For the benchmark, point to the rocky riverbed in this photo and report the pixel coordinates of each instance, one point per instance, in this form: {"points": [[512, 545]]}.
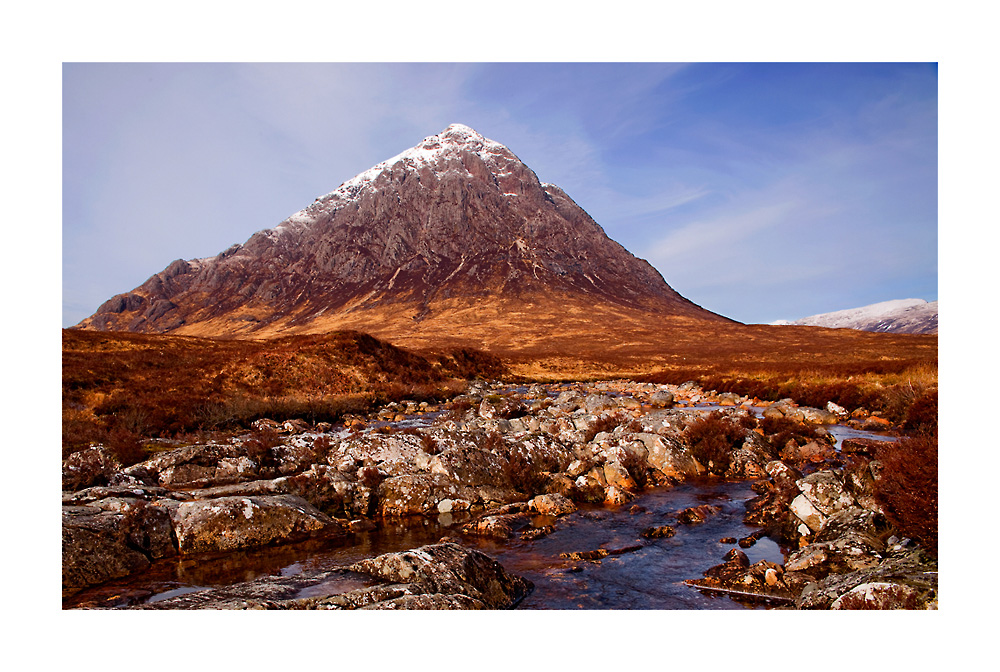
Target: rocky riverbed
{"points": [[502, 464]]}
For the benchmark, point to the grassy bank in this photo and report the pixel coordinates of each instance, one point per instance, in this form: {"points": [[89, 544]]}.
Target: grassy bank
{"points": [[117, 387]]}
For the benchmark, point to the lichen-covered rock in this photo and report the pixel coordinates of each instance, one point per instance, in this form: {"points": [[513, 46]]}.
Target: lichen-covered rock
{"points": [[616, 496], [91, 466], [419, 494], [804, 509], [662, 398], [751, 459], [669, 456], [911, 569], [202, 465], [95, 548], [849, 540], [231, 523], [449, 569], [826, 491], [589, 489], [879, 595], [616, 475], [810, 452], [496, 526]]}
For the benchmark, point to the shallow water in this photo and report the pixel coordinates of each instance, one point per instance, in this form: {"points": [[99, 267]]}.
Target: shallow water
{"points": [[649, 578]]}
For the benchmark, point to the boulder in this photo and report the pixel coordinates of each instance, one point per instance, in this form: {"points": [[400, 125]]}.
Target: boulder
{"points": [[862, 446], [806, 511], [849, 540], [662, 398], [749, 461], [449, 569], [669, 456], [660, 532], [417, 494], [773, 413], [323, 486], [879, 595], [440, 576], [91, 466], [839, 411], [815, 416], [826, 491], [589, 489], [198, 466], [615, 474], [551, 505], [562, 484], [497, 526], [231, 523], [697, 514], [95, 548], [595, 403], [616, 496]]}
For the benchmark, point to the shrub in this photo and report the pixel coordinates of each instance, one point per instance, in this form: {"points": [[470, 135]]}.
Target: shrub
{"points": [[908, 488], [781, 430], [712, 439], [126, 446], [260, 444], [922, 416]]}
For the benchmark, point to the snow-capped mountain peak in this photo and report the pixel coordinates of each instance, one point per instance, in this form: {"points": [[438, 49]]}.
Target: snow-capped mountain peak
{"points": [[455, 223], [898, 316]]}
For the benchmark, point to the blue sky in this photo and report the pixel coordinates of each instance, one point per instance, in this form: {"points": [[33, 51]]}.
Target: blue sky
{"points": [[760, 191]]}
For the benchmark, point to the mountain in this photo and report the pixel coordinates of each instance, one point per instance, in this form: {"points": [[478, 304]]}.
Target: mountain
{"points": [[453, 239], [902, 316]]}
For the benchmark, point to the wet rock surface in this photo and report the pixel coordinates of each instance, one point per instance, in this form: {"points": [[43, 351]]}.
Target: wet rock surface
{"points": [[439, 576], [511, 463]]}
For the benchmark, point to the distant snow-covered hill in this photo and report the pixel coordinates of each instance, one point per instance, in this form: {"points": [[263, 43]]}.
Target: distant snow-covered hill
{"points": [[902, 316]]}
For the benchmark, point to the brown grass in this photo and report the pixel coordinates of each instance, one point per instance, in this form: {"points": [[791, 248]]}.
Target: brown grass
{"points": [[169, 385], [117, 384]]}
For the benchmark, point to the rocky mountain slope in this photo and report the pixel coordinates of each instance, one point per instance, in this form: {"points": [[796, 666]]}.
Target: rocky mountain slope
{"points": [[902, 316], [454, 239]]}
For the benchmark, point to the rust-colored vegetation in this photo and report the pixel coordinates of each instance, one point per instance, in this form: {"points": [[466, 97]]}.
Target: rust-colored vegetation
{"points": [[884, 373], [119, 388], [908, 487], [712, 439]]}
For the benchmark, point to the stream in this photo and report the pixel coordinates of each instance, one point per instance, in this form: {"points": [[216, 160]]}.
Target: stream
{"points": [[650, 577]]}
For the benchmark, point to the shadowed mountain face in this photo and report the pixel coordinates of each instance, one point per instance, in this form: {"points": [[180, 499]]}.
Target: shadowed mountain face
{"points": [[455, 240]]}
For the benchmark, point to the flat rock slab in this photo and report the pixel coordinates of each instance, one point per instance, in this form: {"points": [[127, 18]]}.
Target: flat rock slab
{"points": [[231, 523]]}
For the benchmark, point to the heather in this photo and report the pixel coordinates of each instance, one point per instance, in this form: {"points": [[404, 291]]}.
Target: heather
{"points": [[120, 389]]}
